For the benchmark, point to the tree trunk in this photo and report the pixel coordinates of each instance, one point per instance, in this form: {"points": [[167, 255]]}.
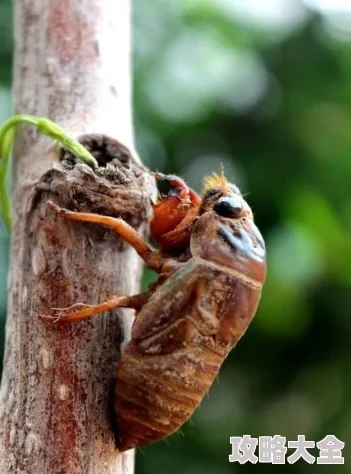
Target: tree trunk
{"points": [[71, 65]]}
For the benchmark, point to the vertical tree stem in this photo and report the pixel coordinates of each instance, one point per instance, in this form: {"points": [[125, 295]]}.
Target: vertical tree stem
{"points": [[71, 65]]}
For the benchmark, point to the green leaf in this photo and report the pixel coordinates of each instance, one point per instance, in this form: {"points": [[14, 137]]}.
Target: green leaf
{"points": [[46, 127]]}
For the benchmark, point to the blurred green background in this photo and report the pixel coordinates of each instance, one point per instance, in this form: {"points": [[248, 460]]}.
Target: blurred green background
{"points": [[263, 87]]}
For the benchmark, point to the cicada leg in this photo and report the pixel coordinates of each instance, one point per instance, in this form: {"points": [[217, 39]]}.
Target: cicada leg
{"points": [[82, 311], [181, 233], [151, 257]]}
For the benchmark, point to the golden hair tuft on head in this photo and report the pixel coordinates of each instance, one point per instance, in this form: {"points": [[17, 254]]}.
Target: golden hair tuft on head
{"points": [[216, 180]]}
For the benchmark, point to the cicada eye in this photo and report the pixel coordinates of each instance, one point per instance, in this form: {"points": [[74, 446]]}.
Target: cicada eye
{"points": [[229, 206]]}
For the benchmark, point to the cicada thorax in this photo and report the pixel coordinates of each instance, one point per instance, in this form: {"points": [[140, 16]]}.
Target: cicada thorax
{"points": [[237, 245]]}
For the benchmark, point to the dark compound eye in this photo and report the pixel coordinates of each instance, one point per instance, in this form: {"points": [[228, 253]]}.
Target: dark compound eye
{"points": [[228, 206]]}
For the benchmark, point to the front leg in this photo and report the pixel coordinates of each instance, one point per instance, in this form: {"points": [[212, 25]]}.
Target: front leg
{"points": [[152, 257]]}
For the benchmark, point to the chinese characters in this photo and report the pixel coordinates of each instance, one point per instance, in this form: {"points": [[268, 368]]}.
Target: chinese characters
{"points": [[272, 449]]}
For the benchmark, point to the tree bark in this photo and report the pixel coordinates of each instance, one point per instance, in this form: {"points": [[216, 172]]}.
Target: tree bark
{"points": [[71, 65]]}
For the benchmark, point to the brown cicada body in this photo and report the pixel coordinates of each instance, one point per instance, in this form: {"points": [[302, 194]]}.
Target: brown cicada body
{"points": [[212, 267]]}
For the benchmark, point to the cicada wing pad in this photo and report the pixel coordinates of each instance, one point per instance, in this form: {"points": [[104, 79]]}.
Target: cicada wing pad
{"points": [[164, 315], [201, 300]]}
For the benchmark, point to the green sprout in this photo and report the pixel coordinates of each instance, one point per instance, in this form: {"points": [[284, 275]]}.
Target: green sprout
{"points": [[46, 127]]}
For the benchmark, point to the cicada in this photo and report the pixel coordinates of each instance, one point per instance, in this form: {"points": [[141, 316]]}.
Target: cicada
{"points": [[211, 266]]}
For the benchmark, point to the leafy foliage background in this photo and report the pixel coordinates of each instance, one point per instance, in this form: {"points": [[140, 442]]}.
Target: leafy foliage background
{"points": [[265, 89]]}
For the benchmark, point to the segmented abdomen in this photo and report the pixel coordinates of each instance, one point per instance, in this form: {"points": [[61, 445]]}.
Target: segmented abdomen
{"points": [[156, 394]]}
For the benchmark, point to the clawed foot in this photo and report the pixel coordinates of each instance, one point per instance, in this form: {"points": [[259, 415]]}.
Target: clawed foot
{"points": [[57, 209], [67, 314]]}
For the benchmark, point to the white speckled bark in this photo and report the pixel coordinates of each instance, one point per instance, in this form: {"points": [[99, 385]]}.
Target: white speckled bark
{"points": [[71, 65]]}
